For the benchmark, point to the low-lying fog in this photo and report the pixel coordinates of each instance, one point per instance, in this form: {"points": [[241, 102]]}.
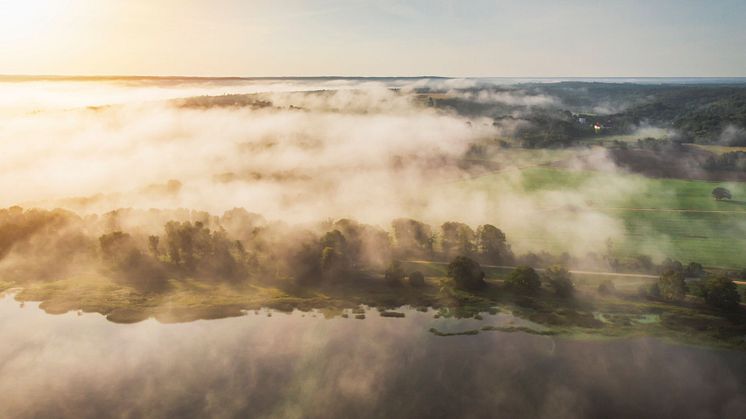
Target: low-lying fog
{"points": [[299, 151], [303, 366]]}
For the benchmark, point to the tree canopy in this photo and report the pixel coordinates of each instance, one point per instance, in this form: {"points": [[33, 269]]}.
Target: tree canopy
{"points": [[721, 193], [394, 273], [720, 292], [492, 245], [466, 272], [457, 239], [671, 285], [524, 279], [559, 280]]}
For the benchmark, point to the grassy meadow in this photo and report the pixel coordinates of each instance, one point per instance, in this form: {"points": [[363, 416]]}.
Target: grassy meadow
{"points": [[719, 149], [668, 217]]}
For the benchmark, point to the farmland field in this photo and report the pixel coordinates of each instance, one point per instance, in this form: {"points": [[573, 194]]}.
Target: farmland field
{"points": [[719, 149], [628, 138], [663, 217]]}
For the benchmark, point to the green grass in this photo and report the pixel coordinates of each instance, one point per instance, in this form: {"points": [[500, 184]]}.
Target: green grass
{"points": [[713, 239], [647, 193], [649, 209], [627, 138], [718, 149]]}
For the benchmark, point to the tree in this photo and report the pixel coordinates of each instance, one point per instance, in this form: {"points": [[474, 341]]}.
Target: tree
{"points": [[394, 274], [129, 265], [367, 246], [416, 279], [720, 193], [720, 292], [335, 240], [115, 245], [645, 263], [153, 246], [694, 270], [466, 272], [413, 238], [670, 265], [194, 249], [524, 279], [606, 287], [492, 245], [240, 223], [179, 243], [334, 259], [651, 291], [559, 280], [331, 262], [457, 239], [302, 260], [671, 285]]}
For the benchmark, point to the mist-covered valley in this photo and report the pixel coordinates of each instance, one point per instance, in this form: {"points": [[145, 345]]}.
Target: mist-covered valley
{"points": [[372, 209], [446, 215]]}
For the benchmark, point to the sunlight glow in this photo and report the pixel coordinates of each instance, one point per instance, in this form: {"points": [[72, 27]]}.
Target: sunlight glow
{"points": [[23, 22]]}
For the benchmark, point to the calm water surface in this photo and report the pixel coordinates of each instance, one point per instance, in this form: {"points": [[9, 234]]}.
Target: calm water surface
{"points": [[302, 365]]}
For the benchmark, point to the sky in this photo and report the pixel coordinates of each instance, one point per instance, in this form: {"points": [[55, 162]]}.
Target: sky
{"points": [[458, 38]]}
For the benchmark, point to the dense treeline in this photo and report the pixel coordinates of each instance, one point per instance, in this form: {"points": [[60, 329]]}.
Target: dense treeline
{"points": [[698, 113], [704, 113], [677, 281], [673, 159], [731, 161], [141, 250], [147, 248]]}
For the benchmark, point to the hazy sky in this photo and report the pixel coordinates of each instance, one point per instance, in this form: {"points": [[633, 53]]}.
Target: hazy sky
{"points": [[383, 38]]}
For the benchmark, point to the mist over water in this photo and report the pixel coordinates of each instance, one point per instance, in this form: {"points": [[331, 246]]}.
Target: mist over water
{"points": [[303, 365]]}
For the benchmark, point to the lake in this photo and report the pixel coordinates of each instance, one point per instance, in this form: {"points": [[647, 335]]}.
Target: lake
{"points": [[269, 364]]}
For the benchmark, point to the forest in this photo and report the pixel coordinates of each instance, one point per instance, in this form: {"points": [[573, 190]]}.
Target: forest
{"points": [[568, 111]]}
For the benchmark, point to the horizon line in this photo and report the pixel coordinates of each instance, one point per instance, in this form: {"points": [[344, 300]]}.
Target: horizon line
{"points": [[424, 76]]}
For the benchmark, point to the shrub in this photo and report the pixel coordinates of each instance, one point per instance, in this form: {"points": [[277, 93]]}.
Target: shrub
{"points": [[671, 286], [394, 274], [652, 291], [466, 272], [524, 279], [720, 292], [606, 287], [694, 270], [129, 265], [416, 279], [720, 193], [559, 280]]}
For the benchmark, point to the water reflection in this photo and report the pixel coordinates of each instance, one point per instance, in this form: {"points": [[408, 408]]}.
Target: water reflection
{"points": [[302, 365]]}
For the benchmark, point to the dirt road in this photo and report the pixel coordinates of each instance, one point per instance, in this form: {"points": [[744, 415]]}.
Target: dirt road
{"points": [[575, 272], [670, 210]]}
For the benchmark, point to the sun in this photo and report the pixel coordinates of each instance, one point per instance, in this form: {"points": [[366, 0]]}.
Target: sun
{"points": [[24, 21]]}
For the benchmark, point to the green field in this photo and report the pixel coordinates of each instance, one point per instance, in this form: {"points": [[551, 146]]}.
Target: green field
{"points": [[648, 193], [603, 139], [669, 217], [718, 149]]}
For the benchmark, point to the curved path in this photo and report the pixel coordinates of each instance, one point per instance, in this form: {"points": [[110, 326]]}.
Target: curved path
{"points": [[671, 210], [576, 272]]}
